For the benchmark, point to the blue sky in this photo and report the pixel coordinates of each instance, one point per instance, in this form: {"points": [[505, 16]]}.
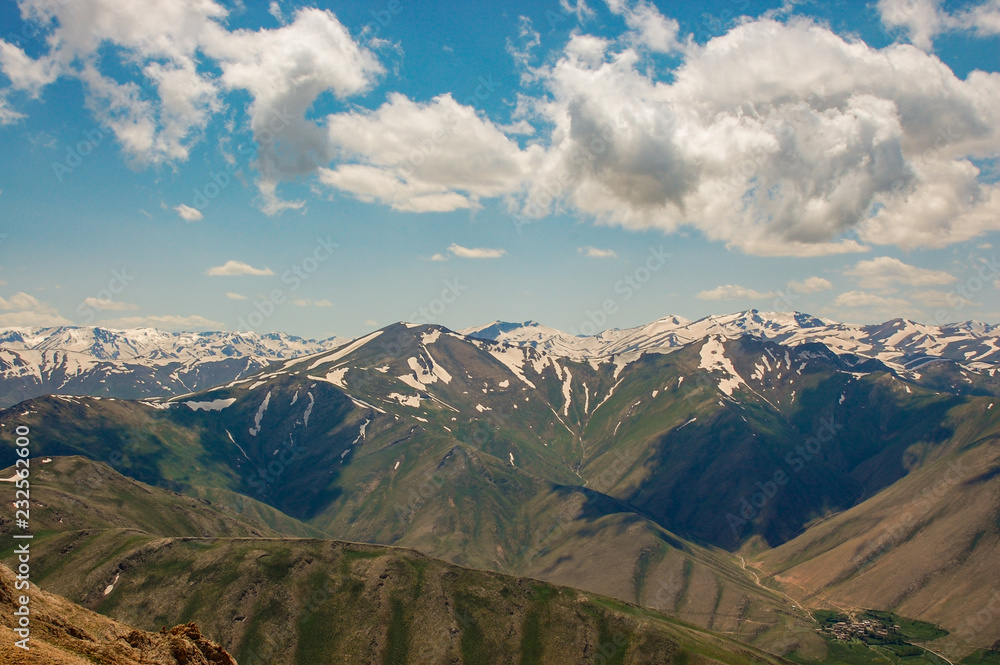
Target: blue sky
{"points": [[191, 164]]}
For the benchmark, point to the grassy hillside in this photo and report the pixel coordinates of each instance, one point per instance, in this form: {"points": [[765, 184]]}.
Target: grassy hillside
{"points": [[271, 599]]}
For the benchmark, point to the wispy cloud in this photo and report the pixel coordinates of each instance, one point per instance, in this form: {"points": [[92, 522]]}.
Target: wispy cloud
{"points": [[475, 252], [810, 285], [308, 302], [885, 273], [862, 300], [595, 253], [232, 268], [734, 292], [923, 20], [188, 213]]}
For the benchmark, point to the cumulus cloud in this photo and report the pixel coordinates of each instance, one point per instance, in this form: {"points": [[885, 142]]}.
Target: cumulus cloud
{"points": [[810, 285], [165, 322], [923, 20], [864, 300], [160, 114], [886, 274], [232, 268], [439, 257], [285, 70], [475, 252], [25, 310], [188, 213], [104, 304], [423, 157], [160, 39], [734, 292], [596, 253], [775, 138], [235, 296]]}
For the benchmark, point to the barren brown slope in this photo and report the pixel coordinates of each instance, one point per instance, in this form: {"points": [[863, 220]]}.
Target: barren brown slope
{"points": [[927, 548], [62, 633]]}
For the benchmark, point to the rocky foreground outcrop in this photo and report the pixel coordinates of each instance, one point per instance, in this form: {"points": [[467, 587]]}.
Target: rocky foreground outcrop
{"points": [[63, 633]]}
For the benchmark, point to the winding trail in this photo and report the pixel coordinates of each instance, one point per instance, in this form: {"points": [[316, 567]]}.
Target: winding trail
{"points": [[756, 578]]}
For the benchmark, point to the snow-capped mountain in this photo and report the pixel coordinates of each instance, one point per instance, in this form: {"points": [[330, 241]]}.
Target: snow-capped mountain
{"points": [[900, 344], [146, 362], [142, 362]]}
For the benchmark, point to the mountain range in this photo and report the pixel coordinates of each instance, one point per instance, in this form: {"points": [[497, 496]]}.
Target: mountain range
{"points": [[137, 363], [743, 474]]}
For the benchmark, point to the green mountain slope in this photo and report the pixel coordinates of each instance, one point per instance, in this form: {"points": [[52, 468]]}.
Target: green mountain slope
{"points": [[292, 600], [628, 476]]}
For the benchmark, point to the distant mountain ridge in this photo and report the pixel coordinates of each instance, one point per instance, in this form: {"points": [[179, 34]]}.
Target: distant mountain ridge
{"points": [[146, 362], [136, 363], [899, 343]]}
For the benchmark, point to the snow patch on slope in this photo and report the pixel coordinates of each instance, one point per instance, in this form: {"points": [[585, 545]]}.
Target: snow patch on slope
{"points": [[713, 359], [214, 405], [260, 414]]}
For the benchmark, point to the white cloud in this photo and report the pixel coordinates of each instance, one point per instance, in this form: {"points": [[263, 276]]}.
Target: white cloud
{"points": [[19, 300], [284, 70], [648, 27], [595, 253], [232, 267], [863, 300], [25, 310], [308, 302], [424, 157], [580, 9], [160, 39], [166, 322], [274, 9], [923, 20], [235, 296], [475, 252], [8, 116], [371, 322], [810, 285], [734, 292], [188, 213], [101, 304], [775, 138], [439, 257], [886, 273]]}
